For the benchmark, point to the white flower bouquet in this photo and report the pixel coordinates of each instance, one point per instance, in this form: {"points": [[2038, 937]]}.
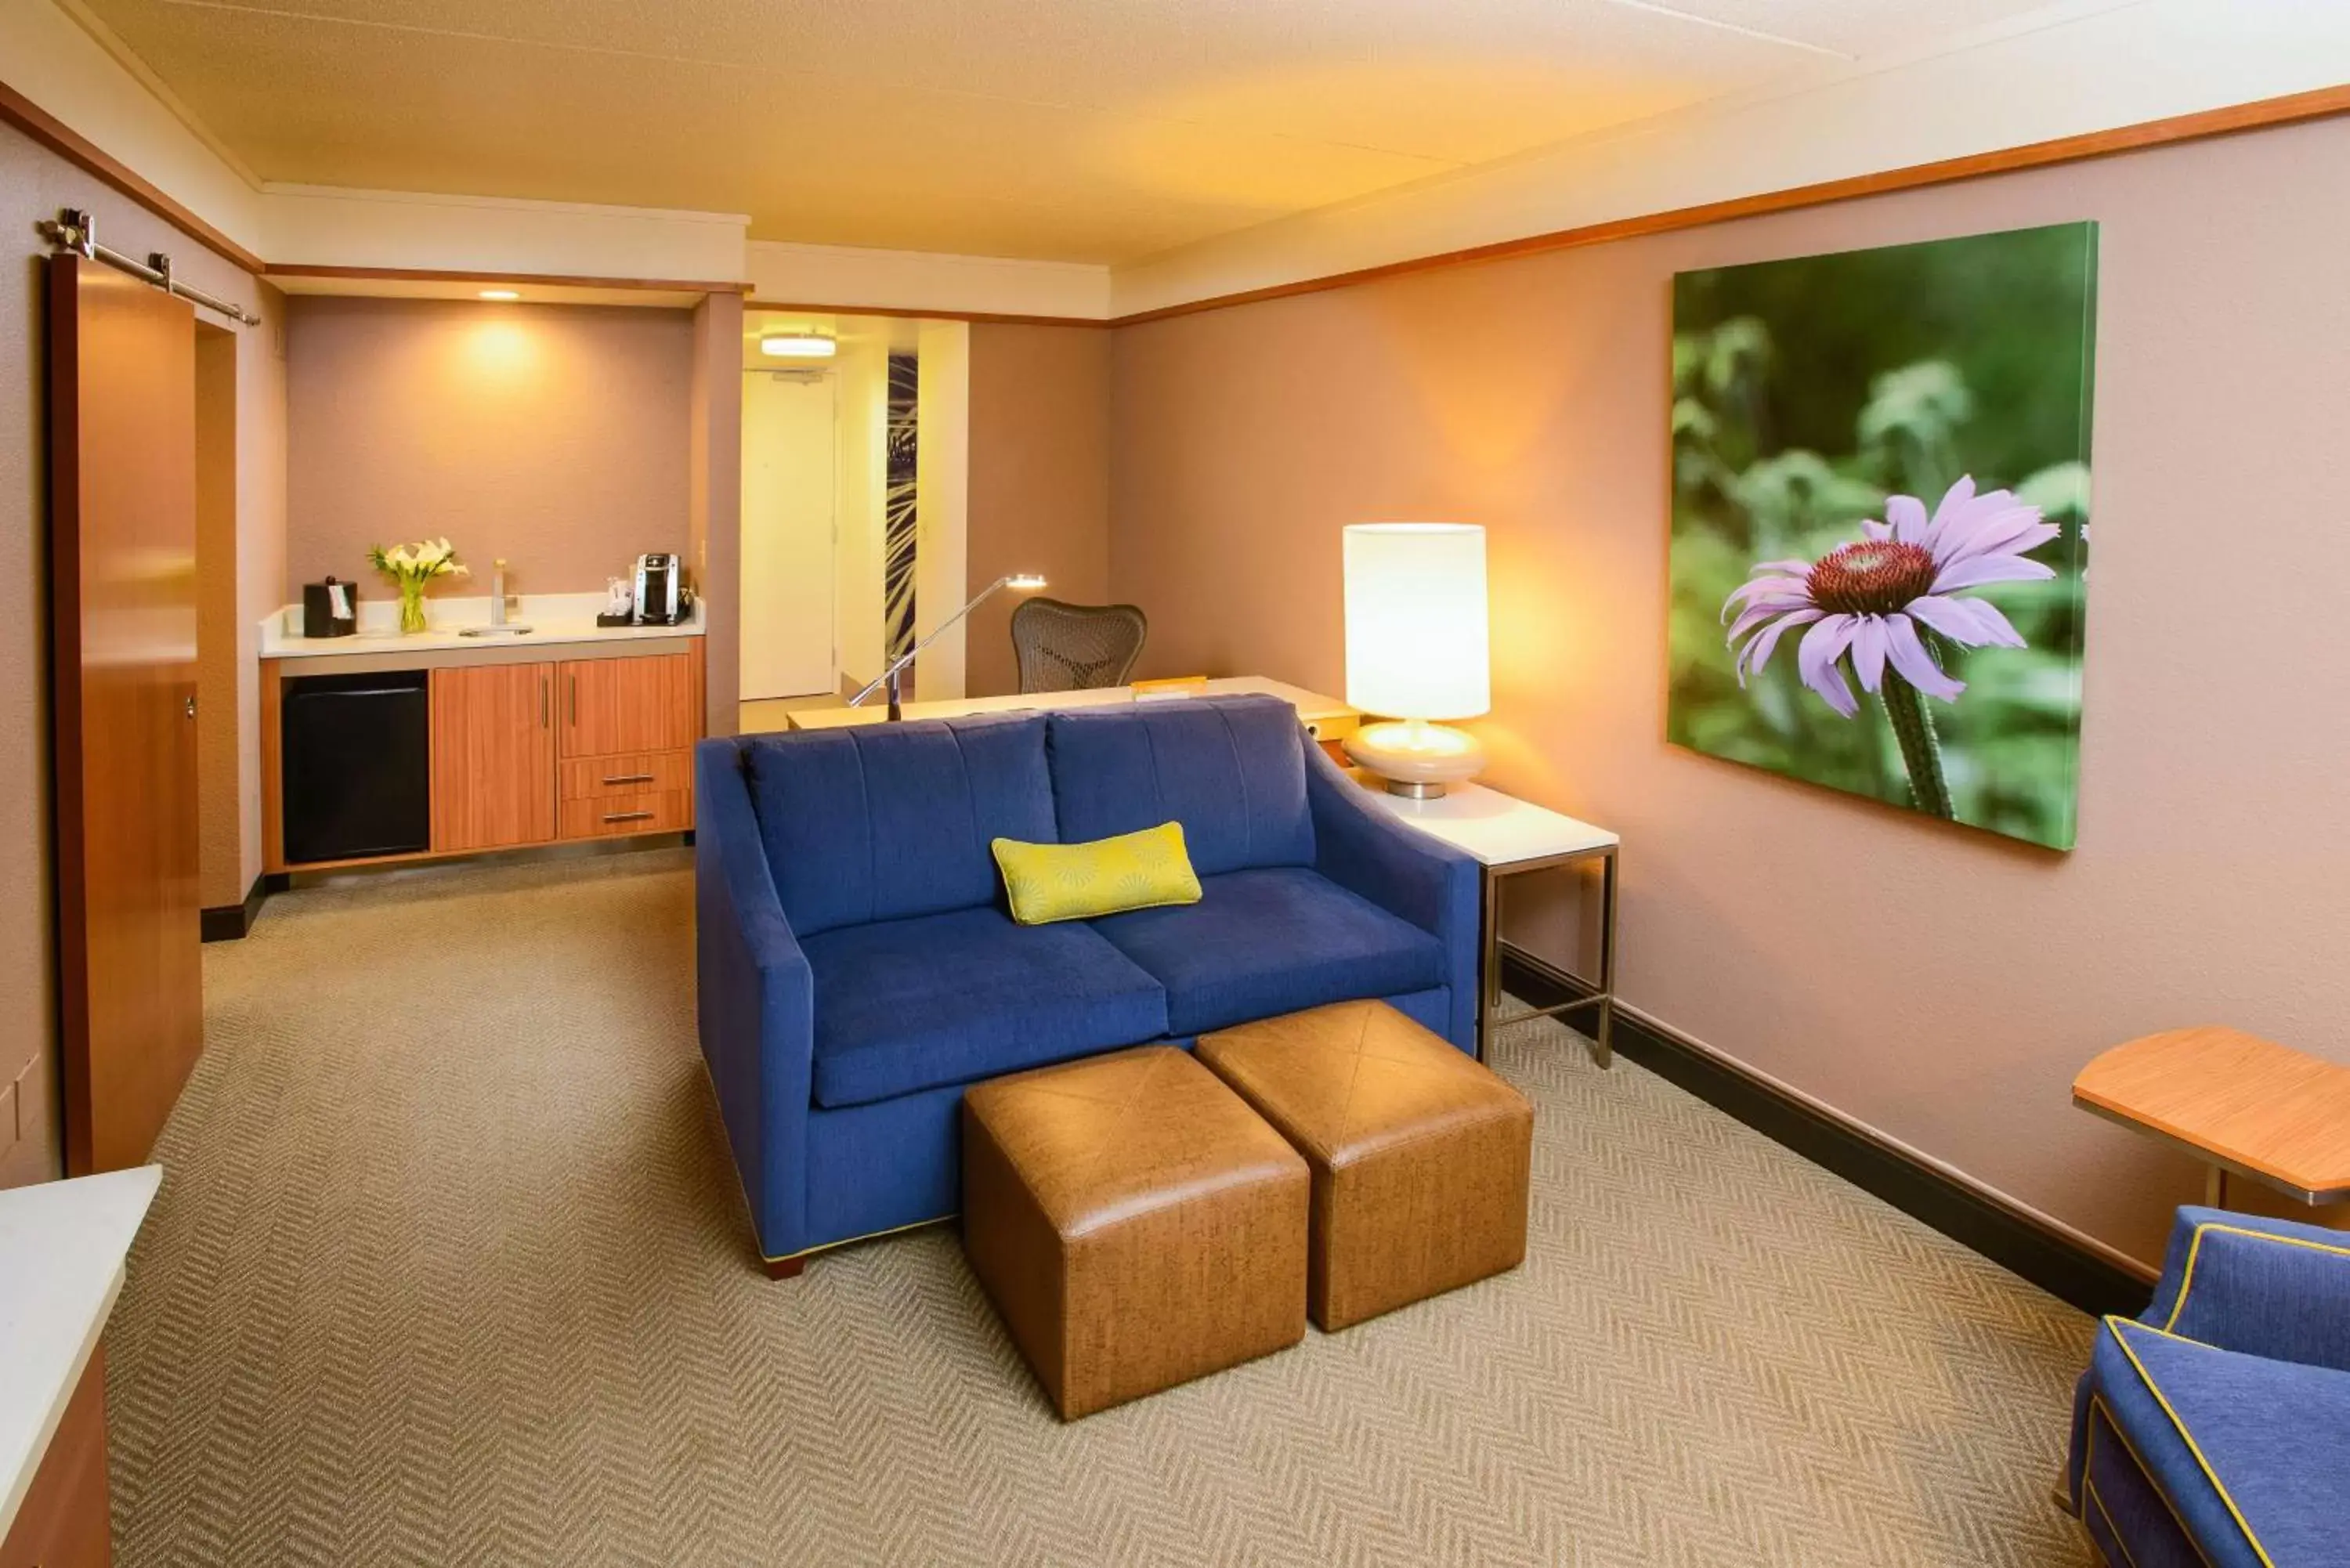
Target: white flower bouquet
{"points": [[410, 566]]}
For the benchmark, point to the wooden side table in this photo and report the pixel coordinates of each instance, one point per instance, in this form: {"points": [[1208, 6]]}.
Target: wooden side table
{"points": [[1510, 837], [2244, 1105]]}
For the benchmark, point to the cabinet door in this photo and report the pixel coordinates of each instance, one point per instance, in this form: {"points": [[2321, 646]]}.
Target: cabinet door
{"points": [[493, 756], [644, 704]]}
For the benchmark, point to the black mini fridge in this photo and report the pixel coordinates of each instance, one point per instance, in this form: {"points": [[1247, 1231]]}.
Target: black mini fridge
{"points": [[358, 771]]}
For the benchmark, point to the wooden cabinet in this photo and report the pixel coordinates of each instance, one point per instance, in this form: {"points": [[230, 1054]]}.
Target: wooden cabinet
{"points": [[63, 1521], [616, 705], [629, 729], [493, 756]]}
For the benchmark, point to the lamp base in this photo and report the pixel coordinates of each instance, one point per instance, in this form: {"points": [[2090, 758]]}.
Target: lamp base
{"points": [[1415, 757]]}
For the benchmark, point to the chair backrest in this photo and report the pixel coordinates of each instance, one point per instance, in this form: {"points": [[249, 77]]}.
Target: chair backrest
{"points": [[1075, 647]]}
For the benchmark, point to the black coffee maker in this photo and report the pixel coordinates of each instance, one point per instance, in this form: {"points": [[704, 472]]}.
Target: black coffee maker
{"points": [[661, 595]]}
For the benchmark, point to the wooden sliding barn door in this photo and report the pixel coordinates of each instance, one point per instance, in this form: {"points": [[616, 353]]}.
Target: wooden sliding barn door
{"points": [[122, 552]]}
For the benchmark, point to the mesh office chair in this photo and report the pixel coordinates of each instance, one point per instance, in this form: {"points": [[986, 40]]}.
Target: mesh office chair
{"points": [[1075, 647]]}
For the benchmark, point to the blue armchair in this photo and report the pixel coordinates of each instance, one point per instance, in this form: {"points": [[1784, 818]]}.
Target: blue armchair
{"points": [[856, 967], [2213, 1432]]}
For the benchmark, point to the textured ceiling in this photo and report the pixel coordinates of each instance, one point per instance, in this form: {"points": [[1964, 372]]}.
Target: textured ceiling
{"points": [[1097, 130]]}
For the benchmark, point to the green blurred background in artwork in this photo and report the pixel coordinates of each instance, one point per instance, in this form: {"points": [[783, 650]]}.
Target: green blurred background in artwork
{"points": [[1806, 391]]}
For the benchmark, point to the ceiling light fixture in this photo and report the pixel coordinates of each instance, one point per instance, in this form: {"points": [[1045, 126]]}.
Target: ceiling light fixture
{"points": [[500, 294], [796, 346]]}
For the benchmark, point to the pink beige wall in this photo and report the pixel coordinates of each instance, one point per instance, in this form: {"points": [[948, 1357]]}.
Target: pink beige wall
{"points": [[1039, 481], [552, 435], [1938, 983], [34, 183]]}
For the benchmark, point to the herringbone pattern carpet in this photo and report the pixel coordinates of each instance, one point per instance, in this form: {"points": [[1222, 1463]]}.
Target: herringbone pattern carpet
{"points": [[450, 1267]]}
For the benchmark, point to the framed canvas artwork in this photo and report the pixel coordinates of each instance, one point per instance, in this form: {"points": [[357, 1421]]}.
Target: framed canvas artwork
{"points": [[1880, 514]]}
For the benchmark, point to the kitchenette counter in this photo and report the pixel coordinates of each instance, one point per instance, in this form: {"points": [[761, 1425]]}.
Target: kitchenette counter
{"points": [[459, 626], [381, 748]]}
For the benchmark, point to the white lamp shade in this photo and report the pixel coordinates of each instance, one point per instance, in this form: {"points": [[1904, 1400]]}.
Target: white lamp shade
{"points": [[1415, 619]]}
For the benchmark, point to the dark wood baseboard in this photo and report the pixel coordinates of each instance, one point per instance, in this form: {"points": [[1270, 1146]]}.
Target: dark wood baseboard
{"points": [[228, 922], [2009, 1237]]}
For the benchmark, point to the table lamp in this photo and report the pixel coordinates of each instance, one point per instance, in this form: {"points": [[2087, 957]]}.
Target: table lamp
{"points": [[1416, 649]]}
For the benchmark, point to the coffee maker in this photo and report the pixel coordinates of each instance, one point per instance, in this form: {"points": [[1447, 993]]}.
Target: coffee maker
{"points": [[661, 597]]}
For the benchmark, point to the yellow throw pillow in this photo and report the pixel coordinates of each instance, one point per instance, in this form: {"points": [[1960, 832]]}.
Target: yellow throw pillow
{"points": [[1142, 870]]}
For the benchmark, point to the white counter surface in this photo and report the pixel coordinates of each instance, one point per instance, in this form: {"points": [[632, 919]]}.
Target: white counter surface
{"points": [[61, 1249], [551, 618]]}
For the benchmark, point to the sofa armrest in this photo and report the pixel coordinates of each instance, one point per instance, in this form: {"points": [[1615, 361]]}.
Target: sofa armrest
{"points": [[1404, 871], [2263, 1287], [755, 1000]]}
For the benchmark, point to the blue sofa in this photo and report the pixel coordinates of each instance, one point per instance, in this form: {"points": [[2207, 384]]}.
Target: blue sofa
{"points": [[856, 967], [2214, 1430]]}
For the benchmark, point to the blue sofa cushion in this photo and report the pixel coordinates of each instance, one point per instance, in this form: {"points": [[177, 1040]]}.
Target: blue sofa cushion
{"points": [[2234, 1442], [882, 822], [1271, 940], [902, 1006], [1230, 770]]}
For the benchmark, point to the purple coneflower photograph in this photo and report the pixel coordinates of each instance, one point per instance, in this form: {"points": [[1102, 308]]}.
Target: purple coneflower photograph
{"points": [[1880, 514]]}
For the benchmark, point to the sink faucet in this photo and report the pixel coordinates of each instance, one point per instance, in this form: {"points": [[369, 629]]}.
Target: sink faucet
{"points": [[498, 592]]}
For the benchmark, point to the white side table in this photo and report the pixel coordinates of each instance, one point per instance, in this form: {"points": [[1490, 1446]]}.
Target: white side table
{"points": [[1510, 836]]}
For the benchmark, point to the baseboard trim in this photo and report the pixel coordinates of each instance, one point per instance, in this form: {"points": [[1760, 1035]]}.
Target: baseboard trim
{"points": [[2015, 1239], [229, 923]]}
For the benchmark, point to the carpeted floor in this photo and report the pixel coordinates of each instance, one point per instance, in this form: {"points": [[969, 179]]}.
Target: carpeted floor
{"points": [[450, 1267]]}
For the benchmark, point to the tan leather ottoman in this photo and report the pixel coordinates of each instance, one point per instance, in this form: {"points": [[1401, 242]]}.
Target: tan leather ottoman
{"points": [[1136, 1224], [1420, 1156]]}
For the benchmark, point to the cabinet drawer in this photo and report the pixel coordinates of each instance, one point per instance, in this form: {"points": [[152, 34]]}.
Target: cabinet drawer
{"points": [[627, 773], [612, 816]]}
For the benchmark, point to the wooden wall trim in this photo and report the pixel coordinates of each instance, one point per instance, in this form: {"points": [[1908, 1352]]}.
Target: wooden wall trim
{"points": [[2320, 103], [539, 279], [53, 133], [984, 317]]}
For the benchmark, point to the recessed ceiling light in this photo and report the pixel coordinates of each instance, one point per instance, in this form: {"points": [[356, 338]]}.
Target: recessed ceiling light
{"points": [[500, 294], [796, 346]]}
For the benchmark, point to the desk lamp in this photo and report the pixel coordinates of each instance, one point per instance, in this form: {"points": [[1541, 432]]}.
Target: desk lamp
{"points": [[1019, 582]]}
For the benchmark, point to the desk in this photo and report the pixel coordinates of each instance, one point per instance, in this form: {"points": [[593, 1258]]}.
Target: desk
{"points": [[1325, 718], [61, 1249], [2241, 1103], [1510, 836]]}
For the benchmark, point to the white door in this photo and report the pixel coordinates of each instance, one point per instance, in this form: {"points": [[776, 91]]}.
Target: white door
{"points": [[787, 541]]}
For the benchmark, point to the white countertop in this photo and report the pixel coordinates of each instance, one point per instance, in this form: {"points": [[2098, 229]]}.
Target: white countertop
{"points": [[61, 1249], [551, 618], [1498, 829]]}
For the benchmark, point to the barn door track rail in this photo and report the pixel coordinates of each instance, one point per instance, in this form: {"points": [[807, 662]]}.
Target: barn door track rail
{"points": [[76, 231]]}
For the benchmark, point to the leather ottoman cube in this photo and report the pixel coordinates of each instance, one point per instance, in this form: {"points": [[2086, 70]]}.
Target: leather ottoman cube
{"points": [[1420, 1156], [1134, 1221]]}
